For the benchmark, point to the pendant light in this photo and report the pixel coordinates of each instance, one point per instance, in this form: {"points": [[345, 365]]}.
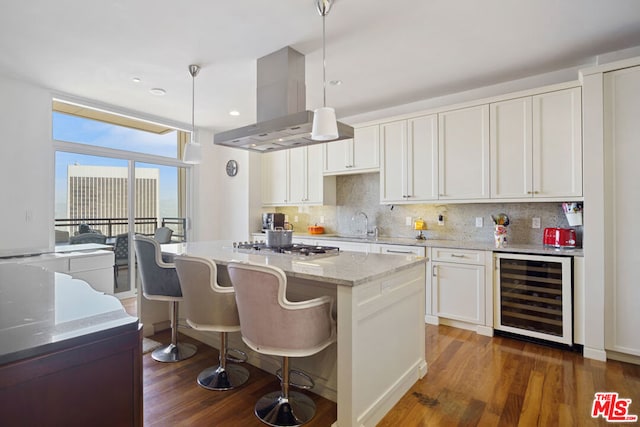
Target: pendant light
{"points": [[325, 126], [192, 150]]}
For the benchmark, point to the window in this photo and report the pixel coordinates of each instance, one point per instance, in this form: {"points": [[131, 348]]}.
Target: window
{"points": [[92, 127], [96, 155]]}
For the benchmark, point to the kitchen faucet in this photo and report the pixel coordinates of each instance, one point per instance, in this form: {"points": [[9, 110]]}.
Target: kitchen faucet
{"points": [[366, 221]]}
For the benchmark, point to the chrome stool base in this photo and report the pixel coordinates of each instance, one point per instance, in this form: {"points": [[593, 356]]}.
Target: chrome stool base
{"points": [[174, 353], [218, 378], [274, 410]]}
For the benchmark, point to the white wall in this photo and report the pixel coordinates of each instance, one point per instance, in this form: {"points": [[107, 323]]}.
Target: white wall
{"points": [[26, 168], [222, 203]]}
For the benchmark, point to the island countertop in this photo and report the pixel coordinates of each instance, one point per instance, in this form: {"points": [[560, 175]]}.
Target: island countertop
{"points": [[346, 269], [42, 312]]}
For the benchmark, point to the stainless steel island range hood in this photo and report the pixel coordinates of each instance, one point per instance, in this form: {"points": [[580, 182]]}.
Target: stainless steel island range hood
{"points": [[281, 101]]}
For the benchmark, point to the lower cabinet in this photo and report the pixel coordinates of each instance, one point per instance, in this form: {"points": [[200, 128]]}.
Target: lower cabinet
{"points": [[459, 293]]}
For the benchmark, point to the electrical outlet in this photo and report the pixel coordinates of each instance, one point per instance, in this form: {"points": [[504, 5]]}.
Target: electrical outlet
{"points": [[440, 219], [321, 219], [295, 218], [479, 222], [408, 221], [535, 222]]}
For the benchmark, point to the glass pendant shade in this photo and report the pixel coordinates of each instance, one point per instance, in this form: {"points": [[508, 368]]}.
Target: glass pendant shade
{"points": [[325, 127]]}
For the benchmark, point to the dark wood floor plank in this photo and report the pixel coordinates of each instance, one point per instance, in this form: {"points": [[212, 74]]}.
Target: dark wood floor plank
{"points": [[472, 380]]}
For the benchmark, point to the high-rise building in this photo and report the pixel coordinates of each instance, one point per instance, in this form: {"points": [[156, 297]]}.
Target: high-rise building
{"points": [[101, 192]]}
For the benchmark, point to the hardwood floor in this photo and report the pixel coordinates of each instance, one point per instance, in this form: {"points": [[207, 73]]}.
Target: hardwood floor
{"points": [[477, 380], [472, 380], [173, 398]]}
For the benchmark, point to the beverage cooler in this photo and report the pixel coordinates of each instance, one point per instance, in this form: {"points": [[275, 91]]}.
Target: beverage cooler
{"points": [[533, 296]]}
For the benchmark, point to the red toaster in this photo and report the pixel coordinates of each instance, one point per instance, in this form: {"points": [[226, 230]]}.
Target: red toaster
{"points": [[559, 237]]}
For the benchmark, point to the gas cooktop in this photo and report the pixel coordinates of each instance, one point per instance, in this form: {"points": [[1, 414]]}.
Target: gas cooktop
{"points": [[295, 249]]}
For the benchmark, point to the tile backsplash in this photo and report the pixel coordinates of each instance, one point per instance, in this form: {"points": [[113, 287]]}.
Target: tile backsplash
{"points": [[361, 193]]}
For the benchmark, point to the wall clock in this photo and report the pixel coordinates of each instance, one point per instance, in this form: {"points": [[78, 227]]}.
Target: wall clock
{"points": [[232, 168]]}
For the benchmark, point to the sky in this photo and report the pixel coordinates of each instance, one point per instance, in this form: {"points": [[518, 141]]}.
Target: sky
{"points": [[76, 129]]}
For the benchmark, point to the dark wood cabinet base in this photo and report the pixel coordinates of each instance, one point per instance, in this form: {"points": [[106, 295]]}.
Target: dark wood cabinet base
{"points": [[96, 383]]}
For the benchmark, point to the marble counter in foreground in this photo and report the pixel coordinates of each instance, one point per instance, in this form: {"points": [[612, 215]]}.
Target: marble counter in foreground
{"points": [[43, 312], [346, 269]]}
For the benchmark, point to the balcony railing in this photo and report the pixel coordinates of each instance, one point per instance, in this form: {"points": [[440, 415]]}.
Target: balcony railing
{"points": [[111, 227]]}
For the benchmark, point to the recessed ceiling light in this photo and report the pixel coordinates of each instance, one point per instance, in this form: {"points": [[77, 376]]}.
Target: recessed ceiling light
{"points": [[157, 91], [335, 82], [136, 79], [234, 113]]}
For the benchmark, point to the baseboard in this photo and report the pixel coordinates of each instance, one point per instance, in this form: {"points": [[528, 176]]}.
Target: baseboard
{"points": [[374, 413], [594, 353], [484, 330], [623, 357], [154, 328], [431, 320]]}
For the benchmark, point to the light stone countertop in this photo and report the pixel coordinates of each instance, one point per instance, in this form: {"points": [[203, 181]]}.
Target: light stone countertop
{"points": [[454, 244], [346, 269], [43, 312]]}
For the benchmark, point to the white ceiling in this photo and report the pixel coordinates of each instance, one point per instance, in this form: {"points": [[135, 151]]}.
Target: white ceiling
{"points": [[386, 52]]}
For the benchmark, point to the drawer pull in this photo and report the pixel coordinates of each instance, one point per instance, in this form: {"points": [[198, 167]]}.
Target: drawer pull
{"points": [[391, 251], [457, 256]]}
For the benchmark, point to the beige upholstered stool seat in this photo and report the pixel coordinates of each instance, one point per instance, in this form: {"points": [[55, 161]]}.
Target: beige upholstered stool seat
{"points": [[271, 324], [208, 306], [160, 282]]}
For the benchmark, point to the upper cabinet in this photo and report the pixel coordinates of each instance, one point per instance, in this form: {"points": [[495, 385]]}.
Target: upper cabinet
{"points": [[463, 146], [275, 178], [357, 155], [536, 146], [294, 177], [557, 143], [409, 160]]}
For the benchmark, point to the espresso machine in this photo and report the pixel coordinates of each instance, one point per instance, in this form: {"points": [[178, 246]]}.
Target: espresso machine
{"points": [[272, 220]]}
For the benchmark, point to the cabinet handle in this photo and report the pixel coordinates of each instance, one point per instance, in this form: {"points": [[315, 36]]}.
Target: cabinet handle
{"points": [[457, 256], [529, 192], [391, 251], [441, 194], [433, 271], [536, 192]]}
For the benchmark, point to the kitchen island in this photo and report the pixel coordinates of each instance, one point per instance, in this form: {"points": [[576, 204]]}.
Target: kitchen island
{"points": [[380, 349], [69, 355]]}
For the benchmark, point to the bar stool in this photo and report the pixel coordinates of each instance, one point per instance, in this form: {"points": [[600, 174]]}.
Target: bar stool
{"points": [[160, 282], [271, 324], [210, 307]]}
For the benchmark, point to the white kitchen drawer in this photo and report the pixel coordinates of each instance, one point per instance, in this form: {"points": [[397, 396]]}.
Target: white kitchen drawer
{"points": [[93, 262], [305, 241], [459, 256], [402, 250]]}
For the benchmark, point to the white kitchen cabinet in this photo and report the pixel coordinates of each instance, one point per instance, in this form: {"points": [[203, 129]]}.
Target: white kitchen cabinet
{"points": [[459, 294], [294, 177], [347, 246], [536, 146], [557, 143], [622, 178], [409, 160], [401, 250], [463, 148], [275, 178], [306, 241], [511, 148], [358, 155]]}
